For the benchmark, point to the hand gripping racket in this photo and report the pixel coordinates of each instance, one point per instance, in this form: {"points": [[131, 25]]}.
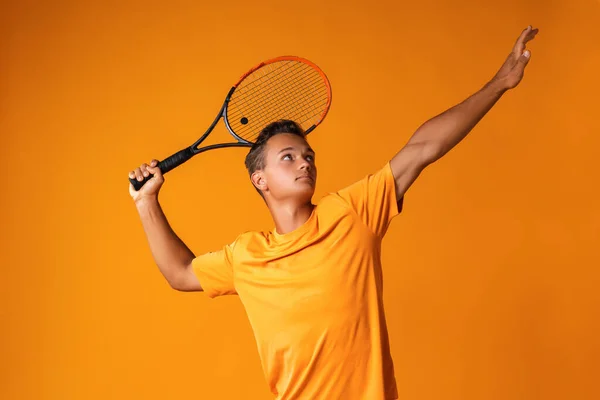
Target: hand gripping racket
{"points": [[281, 88]]}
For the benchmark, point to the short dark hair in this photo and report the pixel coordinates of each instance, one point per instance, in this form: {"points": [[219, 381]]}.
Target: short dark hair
{"points": [[255, 159]]}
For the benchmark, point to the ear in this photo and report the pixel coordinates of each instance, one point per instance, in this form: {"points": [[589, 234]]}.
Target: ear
{"points": [[259, 180]]}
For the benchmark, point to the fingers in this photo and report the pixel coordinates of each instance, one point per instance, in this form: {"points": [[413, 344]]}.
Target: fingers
{"points": [[137, 174], [520, 43], [530, 34], [153, 168], [526, 32], [145, 170], [525, 36]]}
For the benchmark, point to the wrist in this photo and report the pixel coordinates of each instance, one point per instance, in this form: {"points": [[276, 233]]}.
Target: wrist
{"points": [[497, 86], [146, 200]]}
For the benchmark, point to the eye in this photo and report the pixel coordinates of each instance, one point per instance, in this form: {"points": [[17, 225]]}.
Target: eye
{"points": [[287, 155], [310, 158]]}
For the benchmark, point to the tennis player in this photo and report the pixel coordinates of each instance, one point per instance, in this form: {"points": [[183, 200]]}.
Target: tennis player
{"points": [[312, 287]]}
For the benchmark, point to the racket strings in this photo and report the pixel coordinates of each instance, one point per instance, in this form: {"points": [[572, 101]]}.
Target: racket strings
{"points": [[297, 79], [260, 75], [301, 114], [304, 123], [262, 90], [282, 90], [265, 88], [303, 93], [290, 103]]}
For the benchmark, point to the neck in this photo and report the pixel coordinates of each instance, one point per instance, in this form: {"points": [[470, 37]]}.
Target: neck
{"points": [[288, 217]]}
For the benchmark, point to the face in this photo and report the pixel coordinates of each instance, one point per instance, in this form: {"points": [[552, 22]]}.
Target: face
{"points": [[290, 171]]}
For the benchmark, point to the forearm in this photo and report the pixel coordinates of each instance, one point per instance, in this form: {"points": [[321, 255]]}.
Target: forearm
{"points": [[171, 255], [441, 133]]}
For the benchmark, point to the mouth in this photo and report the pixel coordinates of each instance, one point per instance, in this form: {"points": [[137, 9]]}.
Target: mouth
{"points": [[305, 178]]}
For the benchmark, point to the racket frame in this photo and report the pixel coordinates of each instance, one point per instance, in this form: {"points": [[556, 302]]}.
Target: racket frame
{"points": [[184, 155]]}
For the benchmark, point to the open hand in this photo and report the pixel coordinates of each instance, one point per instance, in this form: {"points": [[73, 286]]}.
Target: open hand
{"points": [[511, 72]]}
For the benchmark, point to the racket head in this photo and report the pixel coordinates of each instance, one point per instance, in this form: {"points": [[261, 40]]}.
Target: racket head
{"points": [[286, 87]]}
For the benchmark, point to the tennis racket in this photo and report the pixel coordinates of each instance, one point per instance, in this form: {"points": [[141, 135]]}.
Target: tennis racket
{"points": [[285, 87]]}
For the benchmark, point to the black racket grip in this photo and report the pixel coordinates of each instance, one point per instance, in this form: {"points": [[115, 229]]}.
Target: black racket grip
{"points": [[165, 166]]}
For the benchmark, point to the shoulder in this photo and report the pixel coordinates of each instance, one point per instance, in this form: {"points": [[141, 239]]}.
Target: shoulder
{"points": [[250, 240], [368, 181], [331, 199], [333, 204]]}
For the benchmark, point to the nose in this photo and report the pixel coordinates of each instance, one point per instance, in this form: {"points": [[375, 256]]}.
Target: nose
{"points": [[305, 165]]}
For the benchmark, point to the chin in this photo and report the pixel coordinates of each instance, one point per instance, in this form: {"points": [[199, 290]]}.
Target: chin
{"points": [[307, 192]]}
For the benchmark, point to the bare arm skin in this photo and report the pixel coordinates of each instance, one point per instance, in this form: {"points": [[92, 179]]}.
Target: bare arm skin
{"points": [[172, 256], [439, 135]]}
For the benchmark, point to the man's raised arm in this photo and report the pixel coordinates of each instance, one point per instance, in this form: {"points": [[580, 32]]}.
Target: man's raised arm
{"points": [[439, 135], [172, 256]]}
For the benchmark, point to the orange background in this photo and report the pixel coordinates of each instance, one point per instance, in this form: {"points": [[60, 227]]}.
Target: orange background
{"points": [[491, 271]]}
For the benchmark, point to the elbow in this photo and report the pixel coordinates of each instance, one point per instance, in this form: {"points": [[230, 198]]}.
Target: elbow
{"points": [[180, 284], [175, 286], [184, 280], [174, 281], [431, 152]]}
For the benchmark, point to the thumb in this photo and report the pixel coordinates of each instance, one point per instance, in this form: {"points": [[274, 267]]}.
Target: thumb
{"points": [[154, 170], [525, 57]]}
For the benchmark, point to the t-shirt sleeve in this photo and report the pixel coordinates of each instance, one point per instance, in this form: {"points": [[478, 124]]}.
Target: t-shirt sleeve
{"points": [[214, 271], [373, 198]]}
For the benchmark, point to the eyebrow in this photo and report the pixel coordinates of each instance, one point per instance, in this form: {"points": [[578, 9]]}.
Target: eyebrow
{"points": [[293, 148]]}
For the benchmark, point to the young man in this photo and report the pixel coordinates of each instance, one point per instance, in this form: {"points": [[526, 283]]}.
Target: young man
{"points": [[312, 287]]}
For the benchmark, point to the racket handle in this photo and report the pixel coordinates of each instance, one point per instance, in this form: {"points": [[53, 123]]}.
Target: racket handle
{"points": [[165, 166]]}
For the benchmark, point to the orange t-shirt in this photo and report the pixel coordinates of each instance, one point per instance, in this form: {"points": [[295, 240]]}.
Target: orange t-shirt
{"points": [[314, 296]]}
